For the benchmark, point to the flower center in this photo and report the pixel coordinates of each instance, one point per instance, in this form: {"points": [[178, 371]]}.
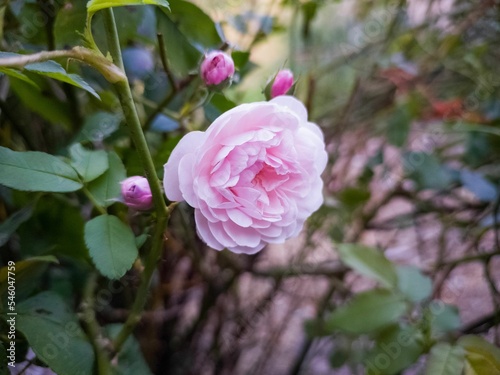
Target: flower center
{"points": [[267, 177]]}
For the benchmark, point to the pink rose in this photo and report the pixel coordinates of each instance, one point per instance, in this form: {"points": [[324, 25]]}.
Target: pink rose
{"points": [[136, 193], [282, 83], [253, 177], [216, 68]]}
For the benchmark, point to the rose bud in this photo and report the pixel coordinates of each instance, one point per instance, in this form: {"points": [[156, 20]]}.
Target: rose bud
{"points": [[137, 193], [217, 68], [281, 84]]}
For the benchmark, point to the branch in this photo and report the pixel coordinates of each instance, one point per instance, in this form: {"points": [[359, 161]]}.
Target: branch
{"points": [[110, 71]]}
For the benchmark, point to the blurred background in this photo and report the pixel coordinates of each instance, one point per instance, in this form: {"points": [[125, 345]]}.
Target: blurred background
{"points": [[407, 95]]}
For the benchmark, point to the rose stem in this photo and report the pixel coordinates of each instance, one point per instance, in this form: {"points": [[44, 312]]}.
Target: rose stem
{"points": [[162, 213]]}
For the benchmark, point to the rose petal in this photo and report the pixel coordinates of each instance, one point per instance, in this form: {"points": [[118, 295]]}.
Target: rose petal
{"points": [[248, 237], [186, 172], [204, 232], [188, 143], [239, 218], [247, 250], [293, 105]]}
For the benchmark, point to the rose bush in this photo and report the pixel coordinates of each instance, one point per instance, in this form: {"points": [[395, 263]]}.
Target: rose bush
{"points": [[253, 177]]}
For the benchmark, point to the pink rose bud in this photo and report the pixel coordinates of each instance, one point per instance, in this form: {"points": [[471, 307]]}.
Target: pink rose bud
{"points": [[137, 193], [218, 67], [282, 83]]}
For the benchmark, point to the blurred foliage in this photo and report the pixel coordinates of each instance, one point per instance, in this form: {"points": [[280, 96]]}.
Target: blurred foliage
{"points": [[406, 93]]}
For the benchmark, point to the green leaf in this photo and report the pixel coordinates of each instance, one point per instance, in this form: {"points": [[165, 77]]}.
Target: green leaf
{"points": [[354, 197], [9, 226], [111, 244], [367, 312], [96, 5], [130, 359], [56, 71], [54, 334], [70, 24], [427, 171], [182, 55], [33, 29], [106, 188], [141, 240], [129, 25], [17, 74], [195, 24], [443, 318], [413, 283], [88, 164], [369, 262], [398, 126], [28, 273], [49, 69], [481, 356], [23, 264], [396, 349], [38, 237], [36, 171], [240, 59], [445, 360], [217, 106], [97, 127]]}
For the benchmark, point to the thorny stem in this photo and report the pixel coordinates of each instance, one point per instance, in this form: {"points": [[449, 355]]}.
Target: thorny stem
{"points": [[162, 213], [93, 329]]}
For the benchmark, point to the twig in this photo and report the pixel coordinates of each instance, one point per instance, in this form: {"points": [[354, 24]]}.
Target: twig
{"points": [[482, 324], [109, 70], [164, 62]]}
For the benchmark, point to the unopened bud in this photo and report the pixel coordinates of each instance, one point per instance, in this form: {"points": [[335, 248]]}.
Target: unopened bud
{"points": [[282, 83], [137, 193], [217, 68]]}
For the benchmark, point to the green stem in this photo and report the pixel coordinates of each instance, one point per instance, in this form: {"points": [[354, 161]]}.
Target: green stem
{"points": [[94, 202], [135, 130], [112, 37], [164, 62], [93, 329], [140, 300], [162, 213], [132, 118]]}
